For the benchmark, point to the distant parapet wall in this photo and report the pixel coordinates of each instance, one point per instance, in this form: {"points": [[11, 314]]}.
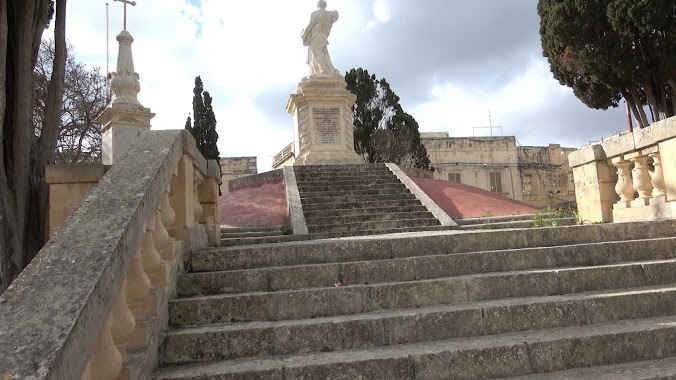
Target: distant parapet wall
{"points": [[255, 179], [236, 167]]}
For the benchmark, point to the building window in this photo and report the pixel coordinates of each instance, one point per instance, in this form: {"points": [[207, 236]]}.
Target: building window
{"points": [[527, 183], [454, 177], [496, 182]]}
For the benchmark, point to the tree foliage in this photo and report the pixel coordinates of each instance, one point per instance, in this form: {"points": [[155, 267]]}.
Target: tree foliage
{"points": [[383, 132], [203, 124], [86, 94], [24, 153], [606, 50]]}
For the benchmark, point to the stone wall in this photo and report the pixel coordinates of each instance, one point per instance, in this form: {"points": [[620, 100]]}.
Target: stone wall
{"points": [[236, 167], [489, 163], [546, 177], [537, 175]]}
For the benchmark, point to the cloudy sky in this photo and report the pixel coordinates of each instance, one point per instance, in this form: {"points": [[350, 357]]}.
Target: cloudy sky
{"points": [[450, 62]]}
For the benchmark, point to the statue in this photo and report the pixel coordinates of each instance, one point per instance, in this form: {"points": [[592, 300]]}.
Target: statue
{"points": [[316, 37]]}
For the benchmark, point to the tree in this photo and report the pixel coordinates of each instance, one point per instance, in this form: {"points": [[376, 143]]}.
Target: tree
{"points": [[606, 50], [86, 95], [383, 132], [204, 126], [23, 153]]}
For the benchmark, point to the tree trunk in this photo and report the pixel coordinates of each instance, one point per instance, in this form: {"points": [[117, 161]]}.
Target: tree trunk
{"points": [[638, 107], [43, 155], [7, 245], [672, 84], [24, 21]]}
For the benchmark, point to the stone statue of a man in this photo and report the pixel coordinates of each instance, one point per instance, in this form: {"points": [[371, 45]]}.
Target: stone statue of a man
{"points": [[316, 37]]}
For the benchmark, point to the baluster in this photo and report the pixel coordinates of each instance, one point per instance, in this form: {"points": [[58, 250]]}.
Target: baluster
{"points": [[659, 187], [138, 283], [168, 213], [641, 177], [198, 205], [624, 187], [87, 374], [152, 262], [161, 238], [123, 322], [106, 361]]}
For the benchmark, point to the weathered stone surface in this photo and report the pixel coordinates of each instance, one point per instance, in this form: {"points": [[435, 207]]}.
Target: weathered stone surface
{"points": [[53, 313], [431, 305]]}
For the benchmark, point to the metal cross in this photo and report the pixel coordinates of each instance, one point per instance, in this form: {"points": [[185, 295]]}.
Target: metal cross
{"points": [[132, 3]]}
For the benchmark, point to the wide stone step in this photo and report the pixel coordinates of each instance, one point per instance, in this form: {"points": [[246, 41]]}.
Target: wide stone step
{"points": [[386, 231], [363, 210], [414, 325], [493, 356], [340, 168], [324, 302], [324, 186], [235, 241], [315, 223], [433, 243], [249, 229], [407, 201], [553, 222], [332, 177], [371, 225], [368, 191], [661, 369], [281, 277], [340, 201], [225, 235], [501, 219]]}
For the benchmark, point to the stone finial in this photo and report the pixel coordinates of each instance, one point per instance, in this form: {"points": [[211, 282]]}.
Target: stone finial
{"points": [[125, 82]]}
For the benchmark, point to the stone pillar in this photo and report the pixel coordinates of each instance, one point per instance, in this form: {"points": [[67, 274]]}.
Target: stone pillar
{"points": [[69, 185], [322, 112], [595, 191], [125, 118]]}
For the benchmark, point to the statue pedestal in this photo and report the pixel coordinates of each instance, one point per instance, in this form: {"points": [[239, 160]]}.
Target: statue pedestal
{"points": [[121, 126], [322, 113]]}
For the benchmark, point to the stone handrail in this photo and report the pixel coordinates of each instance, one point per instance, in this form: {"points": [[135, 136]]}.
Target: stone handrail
{"points": [[622, 178], [283, 155], [92, 302]]}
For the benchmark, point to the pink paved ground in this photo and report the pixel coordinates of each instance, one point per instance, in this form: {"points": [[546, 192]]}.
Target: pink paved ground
{"points": [[261, 205], [464, 201], [264, 205]]}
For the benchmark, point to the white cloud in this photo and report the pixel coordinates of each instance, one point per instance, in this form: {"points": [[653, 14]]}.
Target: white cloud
{"points": [[382, 13], [246, 51]]}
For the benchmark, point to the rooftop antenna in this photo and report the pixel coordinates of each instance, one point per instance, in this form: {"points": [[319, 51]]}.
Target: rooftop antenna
{"points": [[490, 125], [107, 42]]}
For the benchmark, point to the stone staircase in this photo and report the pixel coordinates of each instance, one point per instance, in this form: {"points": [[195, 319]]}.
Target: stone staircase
{"points": [[232, 236], [353, 200], [574, 302], [514, 221]]}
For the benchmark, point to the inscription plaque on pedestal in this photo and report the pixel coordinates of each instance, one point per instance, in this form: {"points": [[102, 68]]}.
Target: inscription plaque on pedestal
{"points": [[326, 125]]}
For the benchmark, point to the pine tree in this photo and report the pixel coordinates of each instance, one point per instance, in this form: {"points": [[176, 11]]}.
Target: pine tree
{"points": [[383, 132], [203, 124], [204, 127]]}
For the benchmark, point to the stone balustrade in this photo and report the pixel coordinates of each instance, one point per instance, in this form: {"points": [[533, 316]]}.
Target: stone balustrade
{"points": [[628, 177], [92, 303]]}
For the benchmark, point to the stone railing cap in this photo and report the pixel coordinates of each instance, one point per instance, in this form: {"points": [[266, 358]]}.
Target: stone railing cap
{"points": [[54, 311]]}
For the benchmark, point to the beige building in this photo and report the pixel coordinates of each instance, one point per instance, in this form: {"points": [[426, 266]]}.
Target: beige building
{"points": [[546, 176], [236, 167], [537, 175]]}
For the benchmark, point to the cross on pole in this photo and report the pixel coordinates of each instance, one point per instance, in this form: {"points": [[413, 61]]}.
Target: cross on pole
{"points": [[132, 3]]}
